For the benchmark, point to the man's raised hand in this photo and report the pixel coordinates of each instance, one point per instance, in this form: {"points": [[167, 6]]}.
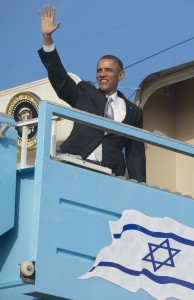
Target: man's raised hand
{"points": [[47, 22]]}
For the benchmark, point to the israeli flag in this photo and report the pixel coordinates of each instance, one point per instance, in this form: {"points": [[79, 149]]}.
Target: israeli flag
{"points": [[156, 254]]}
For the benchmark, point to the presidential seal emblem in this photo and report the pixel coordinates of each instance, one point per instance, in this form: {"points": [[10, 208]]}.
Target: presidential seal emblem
{"points": [[24, 106]]}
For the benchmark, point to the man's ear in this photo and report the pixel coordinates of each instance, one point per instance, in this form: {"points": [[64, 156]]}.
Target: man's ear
{"points": [[121, 75]]}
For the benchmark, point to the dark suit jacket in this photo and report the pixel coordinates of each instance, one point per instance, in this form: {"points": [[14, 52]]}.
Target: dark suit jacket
{"points": [[83, 140]]}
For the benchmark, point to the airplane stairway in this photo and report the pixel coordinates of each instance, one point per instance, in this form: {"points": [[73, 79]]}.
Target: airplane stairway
{"points": [[55, 216]]}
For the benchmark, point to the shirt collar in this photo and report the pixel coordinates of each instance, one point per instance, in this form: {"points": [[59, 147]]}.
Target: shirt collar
{"points": [[113, 96]]}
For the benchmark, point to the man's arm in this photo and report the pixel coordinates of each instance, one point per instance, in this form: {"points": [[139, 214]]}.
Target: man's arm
{"points": [[62, 83], [135, 154]]}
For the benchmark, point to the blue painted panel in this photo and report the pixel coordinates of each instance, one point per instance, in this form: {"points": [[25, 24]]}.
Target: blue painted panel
{"points": [[8, 160], [71, 223], [15, 245], [75, 209], [15, 291], [62, 217]]}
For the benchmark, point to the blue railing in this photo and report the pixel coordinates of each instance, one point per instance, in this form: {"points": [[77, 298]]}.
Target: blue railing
{"points": [[47, 110]]}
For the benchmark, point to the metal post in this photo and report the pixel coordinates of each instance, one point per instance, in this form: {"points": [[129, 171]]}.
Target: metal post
{"points": [[24, 147], [53, 137]]}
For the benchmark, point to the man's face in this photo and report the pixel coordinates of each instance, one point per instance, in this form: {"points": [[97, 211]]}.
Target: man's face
{"points": [[108, 75]]}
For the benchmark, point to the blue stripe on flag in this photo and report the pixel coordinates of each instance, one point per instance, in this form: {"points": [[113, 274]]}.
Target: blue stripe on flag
{"points": [[154, 234], [158, 279]]}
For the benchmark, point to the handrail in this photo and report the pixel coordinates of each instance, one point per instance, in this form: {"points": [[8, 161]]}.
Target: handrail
{"points": [[24, 124], [121, 129], [59, 112]]}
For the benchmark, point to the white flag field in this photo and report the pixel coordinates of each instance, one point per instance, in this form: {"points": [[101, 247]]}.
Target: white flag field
{"points": [[155, 254]]}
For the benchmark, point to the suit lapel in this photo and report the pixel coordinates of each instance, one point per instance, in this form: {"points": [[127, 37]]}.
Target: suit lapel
{"points": [[129, 110], [101, 102]]}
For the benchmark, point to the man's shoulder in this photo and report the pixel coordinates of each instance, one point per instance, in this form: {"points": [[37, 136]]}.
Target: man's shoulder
{"points": [[128, 102], [132, 104], [89, 87], [87, 83]]}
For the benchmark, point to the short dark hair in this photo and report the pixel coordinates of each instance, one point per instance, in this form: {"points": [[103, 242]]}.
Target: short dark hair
{"points": [[116, 59]]}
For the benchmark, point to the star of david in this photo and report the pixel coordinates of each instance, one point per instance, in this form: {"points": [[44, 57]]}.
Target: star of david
{"points": [[166, 255]]}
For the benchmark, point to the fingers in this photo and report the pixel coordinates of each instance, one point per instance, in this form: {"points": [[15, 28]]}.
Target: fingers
{"points": [[40, 14], [53, 13], [47, 10], [47, 19], [57, 25]]}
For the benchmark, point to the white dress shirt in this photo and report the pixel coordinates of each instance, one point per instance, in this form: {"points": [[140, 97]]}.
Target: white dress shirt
{"points": [[119, 110], [49, 48]]}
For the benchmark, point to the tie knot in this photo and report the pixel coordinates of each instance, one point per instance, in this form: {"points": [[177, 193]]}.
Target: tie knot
{"points": [[109, 99]]}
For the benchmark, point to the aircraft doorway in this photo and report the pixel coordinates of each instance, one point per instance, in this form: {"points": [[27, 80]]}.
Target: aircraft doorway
{"points": [[167, 100]]}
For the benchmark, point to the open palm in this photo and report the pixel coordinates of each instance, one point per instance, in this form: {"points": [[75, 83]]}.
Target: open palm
{"points": [[47, 20]]}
